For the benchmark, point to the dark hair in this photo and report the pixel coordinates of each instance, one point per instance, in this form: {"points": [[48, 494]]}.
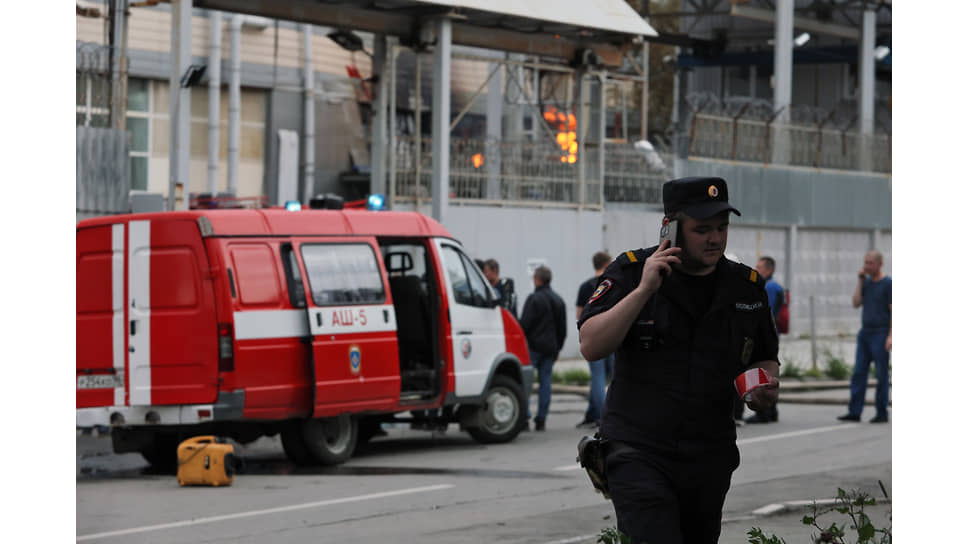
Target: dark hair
{"points": [[770, 262], [543, 273], [492, 264], [479, 263], [600, 259]]}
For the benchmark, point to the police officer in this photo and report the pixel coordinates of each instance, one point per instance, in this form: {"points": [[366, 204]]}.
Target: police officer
{"points": [[684, 322]]}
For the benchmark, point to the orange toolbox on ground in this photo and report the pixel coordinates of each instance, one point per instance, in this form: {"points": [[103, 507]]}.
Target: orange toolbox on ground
{"points": [[204, 460]]}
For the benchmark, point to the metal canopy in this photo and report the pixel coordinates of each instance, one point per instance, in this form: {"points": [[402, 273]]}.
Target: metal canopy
{"points": [[560, 30], [562, 16]]}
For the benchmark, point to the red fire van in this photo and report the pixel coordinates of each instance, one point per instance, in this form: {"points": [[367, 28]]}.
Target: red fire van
{"points": [[316, 324]]}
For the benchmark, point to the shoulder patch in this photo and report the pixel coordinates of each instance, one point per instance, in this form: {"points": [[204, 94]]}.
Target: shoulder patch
{"points": [[601, 290], [633, 257], [752, 276]]}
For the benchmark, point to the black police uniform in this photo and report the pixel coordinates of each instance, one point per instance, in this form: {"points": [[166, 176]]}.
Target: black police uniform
{"points": [[668, 417]]}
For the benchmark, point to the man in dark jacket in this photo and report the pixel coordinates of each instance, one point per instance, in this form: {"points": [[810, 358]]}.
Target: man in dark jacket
{"points": [[503, 287], [543, 321]]}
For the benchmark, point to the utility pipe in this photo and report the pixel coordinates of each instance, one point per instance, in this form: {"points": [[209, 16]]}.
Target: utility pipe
{"points": [[235, 100], [309, 117], [214, 90]]}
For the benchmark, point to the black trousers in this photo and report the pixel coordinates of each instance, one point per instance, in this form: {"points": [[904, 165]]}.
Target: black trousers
{"points": [[662, 500]]}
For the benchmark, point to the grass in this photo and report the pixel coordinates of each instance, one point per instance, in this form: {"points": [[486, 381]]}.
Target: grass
{"points": [[575, 376], [837, 369]]}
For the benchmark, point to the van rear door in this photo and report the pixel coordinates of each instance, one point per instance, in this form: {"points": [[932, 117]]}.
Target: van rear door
{"points": [[100, 333], [145, 314], [353, 326]]}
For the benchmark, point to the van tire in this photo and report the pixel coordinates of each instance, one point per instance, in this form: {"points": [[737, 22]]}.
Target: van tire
{"points": [[502, 416], [162, 452], [294, 445], [331, 440]]}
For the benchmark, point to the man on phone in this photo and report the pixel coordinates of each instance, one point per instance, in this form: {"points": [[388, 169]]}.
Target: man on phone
{"points": [[684, 322], [873, 292]]}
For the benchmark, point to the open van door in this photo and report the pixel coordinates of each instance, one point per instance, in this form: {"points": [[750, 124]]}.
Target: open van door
{"points": [[477, 328], [352, 325]]}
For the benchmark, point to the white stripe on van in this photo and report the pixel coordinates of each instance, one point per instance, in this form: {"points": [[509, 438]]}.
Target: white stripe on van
{"points": [[117, 306], [139, 311], [331, 320], [252, 325]]}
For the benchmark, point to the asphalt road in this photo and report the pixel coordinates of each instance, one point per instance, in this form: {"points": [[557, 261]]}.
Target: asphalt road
{"points": [[413, 486]]}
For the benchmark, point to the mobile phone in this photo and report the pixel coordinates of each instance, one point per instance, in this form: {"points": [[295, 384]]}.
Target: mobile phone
{"points": [[668, 232]]}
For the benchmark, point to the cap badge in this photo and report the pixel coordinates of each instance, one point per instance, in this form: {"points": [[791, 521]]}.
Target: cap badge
{"points": [[713, 191]]}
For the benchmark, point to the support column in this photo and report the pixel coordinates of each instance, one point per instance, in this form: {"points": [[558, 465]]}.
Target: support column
{"points": [[440, 146], [584, 120], [235, 103], [378, 129], [179, 102], [495, 131], [309, 116], [645, 92], [753, 75], [782, 79], [118, 104], [866, 80], [391, 193], [214, 94], [789, 264]]}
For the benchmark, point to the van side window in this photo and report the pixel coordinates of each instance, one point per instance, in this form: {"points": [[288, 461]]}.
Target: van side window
{"points": [[257, 275], [297, 293], [343, 274], [465, 279]]}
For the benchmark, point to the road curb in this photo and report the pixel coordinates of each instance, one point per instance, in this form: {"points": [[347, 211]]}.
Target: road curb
{"points": [[789, 506]]}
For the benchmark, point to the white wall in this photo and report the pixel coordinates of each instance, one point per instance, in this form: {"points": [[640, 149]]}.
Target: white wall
{"points": [[564, 239]]}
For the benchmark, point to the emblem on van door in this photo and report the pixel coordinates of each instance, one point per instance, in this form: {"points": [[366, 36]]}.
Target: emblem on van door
{"points": [[465, 348], [355, 359]]}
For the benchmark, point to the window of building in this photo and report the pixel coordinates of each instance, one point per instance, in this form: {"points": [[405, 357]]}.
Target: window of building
{"points": [[138, 125]]}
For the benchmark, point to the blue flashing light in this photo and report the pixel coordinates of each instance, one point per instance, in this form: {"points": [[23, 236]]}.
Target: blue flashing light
{"points": [[293, 206], [376, 202]]}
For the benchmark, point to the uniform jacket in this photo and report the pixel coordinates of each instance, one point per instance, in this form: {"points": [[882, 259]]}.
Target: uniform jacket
{"points": [[543, 321], [673, 386]]}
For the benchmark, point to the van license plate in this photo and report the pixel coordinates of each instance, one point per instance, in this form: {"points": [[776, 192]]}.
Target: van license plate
{"points": [[99, 381]]}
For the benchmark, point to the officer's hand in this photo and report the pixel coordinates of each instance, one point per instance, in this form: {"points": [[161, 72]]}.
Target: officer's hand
{"points": [[765, 396], [659, 266]]}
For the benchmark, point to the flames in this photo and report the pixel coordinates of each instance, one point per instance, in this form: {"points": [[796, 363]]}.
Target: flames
{"points": [[566, 125]]}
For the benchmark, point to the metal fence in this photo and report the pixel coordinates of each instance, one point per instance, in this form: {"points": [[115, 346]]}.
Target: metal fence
{"points": [[529, 172], [101, 85], [102, 177], [741, 129], [754, 140], [524, 171]]}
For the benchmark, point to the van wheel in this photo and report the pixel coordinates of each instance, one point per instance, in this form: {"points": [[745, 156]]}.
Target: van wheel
{"points": [[502, 415], [162, 452], [330, 440], [294, 445]]}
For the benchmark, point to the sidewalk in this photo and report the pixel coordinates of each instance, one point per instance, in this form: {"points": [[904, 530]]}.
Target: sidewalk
{"points": [[798, 353]]}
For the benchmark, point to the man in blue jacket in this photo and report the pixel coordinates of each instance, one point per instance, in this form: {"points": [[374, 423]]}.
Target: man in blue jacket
{"points": [[774, 292], [543, 322]]}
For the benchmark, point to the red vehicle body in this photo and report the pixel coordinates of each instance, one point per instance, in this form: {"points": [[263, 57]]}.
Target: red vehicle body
{"points": [[318, 324]]}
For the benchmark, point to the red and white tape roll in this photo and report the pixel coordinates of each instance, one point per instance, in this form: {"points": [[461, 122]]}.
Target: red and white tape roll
{"points": [[750, 380]]}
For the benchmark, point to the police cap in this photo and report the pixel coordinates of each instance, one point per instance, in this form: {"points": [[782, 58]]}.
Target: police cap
{"points": [[697, 197]]}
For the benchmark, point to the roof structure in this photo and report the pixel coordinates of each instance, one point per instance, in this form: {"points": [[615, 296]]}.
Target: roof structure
{"points": [[534, 27]]}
